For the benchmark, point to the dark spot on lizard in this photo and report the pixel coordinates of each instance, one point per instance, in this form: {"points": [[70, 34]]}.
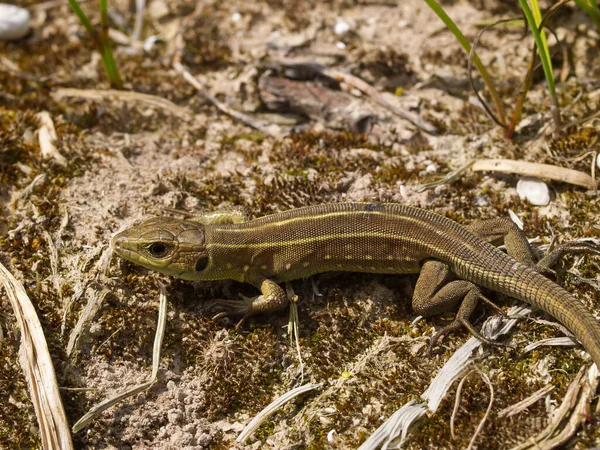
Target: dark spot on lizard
{"points": [[201, 263]]}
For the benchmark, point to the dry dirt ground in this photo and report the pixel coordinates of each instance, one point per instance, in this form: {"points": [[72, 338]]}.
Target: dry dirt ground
{"points": [[126, 160]]}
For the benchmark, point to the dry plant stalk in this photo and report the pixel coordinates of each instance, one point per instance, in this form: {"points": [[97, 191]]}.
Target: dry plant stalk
{"points": [[531, 169], [516, 167], [512, 410], [37, 364], [47, 137], [158, 339], [572, 412], [124, 96]]}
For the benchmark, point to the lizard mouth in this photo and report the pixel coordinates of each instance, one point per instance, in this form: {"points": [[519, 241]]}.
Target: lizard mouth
{"points": [[120, 245]]}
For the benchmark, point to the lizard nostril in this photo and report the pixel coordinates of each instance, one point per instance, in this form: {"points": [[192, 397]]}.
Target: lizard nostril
{"points": [[118, 243]]}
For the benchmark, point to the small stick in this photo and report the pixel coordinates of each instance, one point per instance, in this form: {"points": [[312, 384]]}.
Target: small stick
{"points": [[512, 410], [531, 169], [126, 96]]}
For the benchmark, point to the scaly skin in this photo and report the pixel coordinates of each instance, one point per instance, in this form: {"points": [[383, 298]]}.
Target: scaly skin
{"points": [[359, 237]]}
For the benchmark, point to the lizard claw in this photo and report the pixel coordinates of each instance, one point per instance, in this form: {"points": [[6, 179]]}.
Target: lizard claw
{"points": [[229, 308]]}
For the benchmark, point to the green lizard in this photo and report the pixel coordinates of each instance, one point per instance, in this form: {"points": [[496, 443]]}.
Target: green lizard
{"points": [[361, 237]]}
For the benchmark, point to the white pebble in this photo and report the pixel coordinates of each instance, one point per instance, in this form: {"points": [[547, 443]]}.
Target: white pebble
{"points": [[236, 17], [534, 190], [598, 160], [431, 168], [14, 22], [341, 27], [341, 45], [332, 437]]}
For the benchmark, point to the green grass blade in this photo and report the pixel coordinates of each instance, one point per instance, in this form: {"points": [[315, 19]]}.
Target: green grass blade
{"points": [[101, 40], [537, 15], [592, 9], [108, 60], [467, 47], [82, 17], [545, 59]]}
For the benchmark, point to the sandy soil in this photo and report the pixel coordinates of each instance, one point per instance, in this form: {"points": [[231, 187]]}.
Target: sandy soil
{"points": [[126, 160]]}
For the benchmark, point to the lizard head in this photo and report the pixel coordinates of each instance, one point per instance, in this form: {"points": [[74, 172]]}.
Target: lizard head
{"points": [[173, 247]]}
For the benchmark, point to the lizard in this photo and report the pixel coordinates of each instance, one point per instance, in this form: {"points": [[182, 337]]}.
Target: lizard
{"points": [[454, 261]]}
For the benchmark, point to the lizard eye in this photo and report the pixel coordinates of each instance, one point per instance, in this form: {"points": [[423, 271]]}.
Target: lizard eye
{"points": [[159, 249]]}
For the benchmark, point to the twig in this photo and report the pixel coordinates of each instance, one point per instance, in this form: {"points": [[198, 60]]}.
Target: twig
{"points": [[372, 92], [125, 96], [272, 408], [548, 171], [512, 410], [187, 76]]}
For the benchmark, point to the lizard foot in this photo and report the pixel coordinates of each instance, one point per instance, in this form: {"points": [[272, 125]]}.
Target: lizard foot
{"points": [[234, 308]]}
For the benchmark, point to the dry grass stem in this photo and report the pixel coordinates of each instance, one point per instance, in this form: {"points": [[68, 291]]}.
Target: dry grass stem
{"points": [[53, 253], [244, 118], [89, 312], [531, 169], [457, 404], [487, 411], [572, 412], [563, 341], [37, 365], [294, 326], [47, 137], [512, 410], [124, 96], [272, 408], [376, 96], [158, 339]]}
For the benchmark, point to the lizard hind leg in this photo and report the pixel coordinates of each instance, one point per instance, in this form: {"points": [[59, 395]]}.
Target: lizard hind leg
{"points": [[568, 248], [434, 294], [518, 247]]}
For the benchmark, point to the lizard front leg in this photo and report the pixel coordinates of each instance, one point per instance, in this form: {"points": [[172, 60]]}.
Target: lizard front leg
{"points": [[273, 298]]}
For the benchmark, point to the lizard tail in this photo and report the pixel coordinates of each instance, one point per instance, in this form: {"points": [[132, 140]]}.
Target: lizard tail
{"points": [[533, 288]]}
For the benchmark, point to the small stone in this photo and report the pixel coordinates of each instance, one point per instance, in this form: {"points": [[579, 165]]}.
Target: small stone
{"points": [[14, 22], [431, 168], [598, 161], [236, 17], [534, 190], [341, 27], [158, 9]]}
